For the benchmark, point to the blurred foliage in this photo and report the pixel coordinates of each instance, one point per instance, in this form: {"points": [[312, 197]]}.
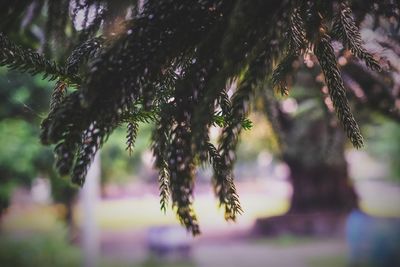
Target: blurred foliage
{"points": [[261, 137], [23, 96], [116, 163], [20, 149], [20, 156], [39, 250], [383, 137], [23, 103]]}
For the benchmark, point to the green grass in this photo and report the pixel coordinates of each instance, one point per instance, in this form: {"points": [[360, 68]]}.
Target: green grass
{"points": [[328, 261], [50, 249]]}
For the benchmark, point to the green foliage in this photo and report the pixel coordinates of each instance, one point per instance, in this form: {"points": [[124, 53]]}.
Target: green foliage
{"points": [[384, 143], [40, 250], [22, 158], [22, 96], [172, 63], [19, 156], [117, 165]]}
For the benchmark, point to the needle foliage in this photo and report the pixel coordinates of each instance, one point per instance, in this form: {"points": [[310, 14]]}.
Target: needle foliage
{"points": [[172, 62]]}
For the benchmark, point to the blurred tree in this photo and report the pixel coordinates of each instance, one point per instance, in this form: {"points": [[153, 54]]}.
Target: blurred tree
{"points": [[171, 62], [313, 147], [20, 101], [118, 164], [17, 156], [23, 102], [22, 158], [319, 176], [312, 143], [384, 144]]}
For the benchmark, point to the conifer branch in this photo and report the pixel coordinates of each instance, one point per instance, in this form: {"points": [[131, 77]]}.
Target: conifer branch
{"points": [[160, 143], [164, 185], [57, 95], [92, 140], [25, 60], [170, 64], [326, 57], [132, 130], [83, 52], [296, 33], [345, 29], [181, 169], [223, 184], [281, 73], [65, 151], [297, 42]]}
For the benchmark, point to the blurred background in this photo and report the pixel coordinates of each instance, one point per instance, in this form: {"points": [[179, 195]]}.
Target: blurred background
{"points": [[115, 220], [315, 201]]}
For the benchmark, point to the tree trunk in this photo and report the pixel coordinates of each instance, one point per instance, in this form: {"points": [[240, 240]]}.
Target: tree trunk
{"points": [[323, 195], [313, 147], [318, 170], [69, 220], [90, 197], [321, 188]]}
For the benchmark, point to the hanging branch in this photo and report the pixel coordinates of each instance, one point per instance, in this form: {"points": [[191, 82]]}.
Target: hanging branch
{"points": [[326, 57], [224, 186], [170, 64], [345, 29], [132, 130], [17, 58], [297, 43], [160, 143], [91, 141]]}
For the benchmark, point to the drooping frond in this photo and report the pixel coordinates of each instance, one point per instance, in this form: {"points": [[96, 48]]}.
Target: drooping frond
{"points": [[25, 60], [181, 169], [297, 42], [281, 73], [297, 32], [161, 139], [91, 140], [223, 184], [164, 185], [132, 129], [345, 29], [326, 57]]}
